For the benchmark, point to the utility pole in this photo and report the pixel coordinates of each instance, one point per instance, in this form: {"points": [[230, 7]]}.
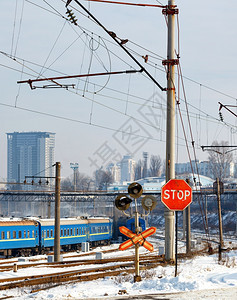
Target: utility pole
{"points": [[170, 11], [219, 213], [57, 214]]}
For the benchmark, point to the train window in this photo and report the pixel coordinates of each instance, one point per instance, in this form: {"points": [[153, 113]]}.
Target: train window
{"points": [[33, 233], [8, 235], [80, 230], [47, 233], [71, 231], [24, 234], [77, 231], [61, 232], [42, 233], [28, 233], [19, 234], [51, 233], [65, 232], [2, 235], [14, 234], [36, 233]]}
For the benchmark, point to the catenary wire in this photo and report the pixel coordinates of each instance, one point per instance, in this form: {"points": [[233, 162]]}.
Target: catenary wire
{"points": [[205, 115], [185, 77]]}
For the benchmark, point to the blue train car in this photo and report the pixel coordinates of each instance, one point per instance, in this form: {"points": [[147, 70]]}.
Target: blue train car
{"points": [[100, 231], [26, 236], [131, 224], [18, 237], [73, 232]]}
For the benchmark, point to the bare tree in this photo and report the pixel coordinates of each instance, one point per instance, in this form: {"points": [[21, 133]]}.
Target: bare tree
{"points": [[220, 159], [138, 170], [155, 166], [67, 184], [83, 182], [102, 179]]}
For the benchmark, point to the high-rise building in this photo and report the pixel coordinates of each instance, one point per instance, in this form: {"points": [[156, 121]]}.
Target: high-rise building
{"points": [[127, 166], [28, 154]]}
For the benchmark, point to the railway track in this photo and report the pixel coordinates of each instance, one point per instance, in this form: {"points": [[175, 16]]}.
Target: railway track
{"points": [[4, 261], [74, 263], [50, 280], [83, 270]]}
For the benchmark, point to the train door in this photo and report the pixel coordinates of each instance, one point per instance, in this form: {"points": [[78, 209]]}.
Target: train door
{"points": [[87, 230]]}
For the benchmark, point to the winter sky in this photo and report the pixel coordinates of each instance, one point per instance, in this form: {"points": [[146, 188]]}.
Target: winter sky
{"points": [[37, 41]]}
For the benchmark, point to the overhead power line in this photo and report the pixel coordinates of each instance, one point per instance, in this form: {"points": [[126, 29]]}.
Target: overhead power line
{"points": [[119, 42], [127, 3]]}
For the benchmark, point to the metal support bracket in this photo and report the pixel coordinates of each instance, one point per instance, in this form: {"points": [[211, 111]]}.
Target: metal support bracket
{"points": [[170, 10], [170, 62]]}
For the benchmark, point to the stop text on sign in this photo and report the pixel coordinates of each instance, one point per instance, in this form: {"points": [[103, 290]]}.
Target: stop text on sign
{"points": [[174, 194]]}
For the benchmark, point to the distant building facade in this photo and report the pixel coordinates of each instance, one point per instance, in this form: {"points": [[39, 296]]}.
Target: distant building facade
{"points": [[28, 154], [127, 167], [202, 168], [115, 170]]}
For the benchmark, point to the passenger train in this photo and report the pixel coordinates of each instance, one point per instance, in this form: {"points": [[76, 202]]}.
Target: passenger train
{"points": [[36, 236]]}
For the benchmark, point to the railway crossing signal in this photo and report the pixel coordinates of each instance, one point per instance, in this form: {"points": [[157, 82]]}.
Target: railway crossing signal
{"points": [[176, 194], [136, 238], [135, 190], [122, 202]]}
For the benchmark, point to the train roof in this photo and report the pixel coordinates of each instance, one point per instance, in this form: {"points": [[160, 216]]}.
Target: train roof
{"points": [[98, 220], [9, 222], [50, 222], [73, 221], [68, 221]]}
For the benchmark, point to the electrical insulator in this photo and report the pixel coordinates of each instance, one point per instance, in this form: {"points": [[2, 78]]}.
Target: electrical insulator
{"points": [[221, 116], [71, 17]]}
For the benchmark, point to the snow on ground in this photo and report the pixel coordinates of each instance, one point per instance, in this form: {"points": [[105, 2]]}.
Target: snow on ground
{"points": [[201, 276]]}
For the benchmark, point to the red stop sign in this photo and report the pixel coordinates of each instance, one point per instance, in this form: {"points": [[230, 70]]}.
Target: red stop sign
{"points": [[176, 194]]}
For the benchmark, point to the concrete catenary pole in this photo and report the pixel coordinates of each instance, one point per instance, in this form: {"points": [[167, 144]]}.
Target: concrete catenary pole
{"points": [[57, 213], [170, 126]]}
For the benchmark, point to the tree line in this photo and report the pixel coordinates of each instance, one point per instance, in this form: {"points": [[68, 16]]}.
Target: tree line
{"points": [[219, 159]]}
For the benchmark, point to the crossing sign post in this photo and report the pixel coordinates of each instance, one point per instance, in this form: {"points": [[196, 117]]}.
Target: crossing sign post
{"points": [[176, 194]]}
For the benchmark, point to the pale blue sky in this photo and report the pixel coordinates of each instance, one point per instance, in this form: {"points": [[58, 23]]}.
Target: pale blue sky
{"points": [[126, 102]]}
